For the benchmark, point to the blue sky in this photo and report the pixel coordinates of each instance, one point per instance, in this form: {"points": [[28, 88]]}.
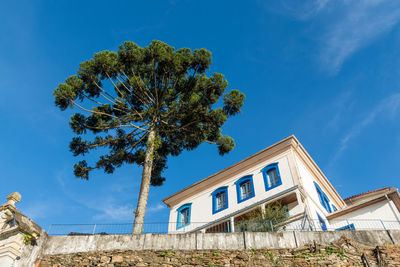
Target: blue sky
{"points": [[326, 71]]}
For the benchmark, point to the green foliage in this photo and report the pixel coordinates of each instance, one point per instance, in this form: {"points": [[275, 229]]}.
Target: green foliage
{"points": [[271, 220], [330, 251], [270, 255], [28, 239], [168, 252], [127, 94], [303, 255]]}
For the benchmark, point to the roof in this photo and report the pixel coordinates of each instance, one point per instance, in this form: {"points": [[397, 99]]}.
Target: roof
{"points": [[366, 199], [366, 193]]}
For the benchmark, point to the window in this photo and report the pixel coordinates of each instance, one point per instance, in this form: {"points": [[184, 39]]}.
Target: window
{"points": [[184, 216], [271, 175], [184, 213], [322, 222], [220, 199], [323, 198], [244, 188], [334, 207], [347, 227]]}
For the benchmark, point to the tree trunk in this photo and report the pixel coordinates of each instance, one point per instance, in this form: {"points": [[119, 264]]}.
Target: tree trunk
{"points": [[145, 185]]}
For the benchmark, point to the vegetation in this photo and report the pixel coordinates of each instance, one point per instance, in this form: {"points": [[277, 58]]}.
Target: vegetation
{"points": [[143, 105], [270, 255], [167, 253], [272, 219], [28, 239]]}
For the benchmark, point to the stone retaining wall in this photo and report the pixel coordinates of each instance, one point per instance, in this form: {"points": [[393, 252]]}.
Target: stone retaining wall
{"points": [[220, 241], [293, 247], [343, 252]]}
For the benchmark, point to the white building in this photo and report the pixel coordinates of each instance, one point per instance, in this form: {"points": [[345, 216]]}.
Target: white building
{"points": [[284, 173]]}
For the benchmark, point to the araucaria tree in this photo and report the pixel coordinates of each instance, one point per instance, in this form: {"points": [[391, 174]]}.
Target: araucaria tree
{"points": [[144, 104]]}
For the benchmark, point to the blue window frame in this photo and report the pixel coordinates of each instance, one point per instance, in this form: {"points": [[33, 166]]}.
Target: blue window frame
{"points": [[244, 188], [322, 223], [272, 177], [334, 207], [220, 199], [184, 213], [347, 227], [323, 198]]}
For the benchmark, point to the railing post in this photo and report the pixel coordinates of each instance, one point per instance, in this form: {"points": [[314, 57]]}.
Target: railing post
{"points": [[48, 231], [347, 221], [383, 225], [272, 226], [94, 229]]}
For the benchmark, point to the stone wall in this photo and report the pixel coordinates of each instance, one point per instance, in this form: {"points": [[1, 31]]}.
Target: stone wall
{"points": [[23, 243], [220, 241], [343, 252]]}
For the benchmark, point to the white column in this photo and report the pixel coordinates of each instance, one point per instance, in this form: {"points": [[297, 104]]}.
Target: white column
{"points": [[232, 222], [262, 210]]}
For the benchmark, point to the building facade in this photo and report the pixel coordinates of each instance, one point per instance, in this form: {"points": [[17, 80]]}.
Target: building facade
{"points": [[282, 173]]}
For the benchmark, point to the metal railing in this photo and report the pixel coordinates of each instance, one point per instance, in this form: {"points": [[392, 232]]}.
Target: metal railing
{"points": [[105, 228], [302, 224]]}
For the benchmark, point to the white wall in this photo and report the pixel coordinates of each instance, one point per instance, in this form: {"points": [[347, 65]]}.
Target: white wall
{"points": [[201, 212], [314, 209], [307, 179], [295, 208], [380, 215]]}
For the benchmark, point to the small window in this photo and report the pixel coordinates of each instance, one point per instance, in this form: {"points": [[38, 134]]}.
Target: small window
{"points": [[322, 223], [245, 188], [323, 198], [347, 227], [271, 175], [220, 199], [183, 216]]}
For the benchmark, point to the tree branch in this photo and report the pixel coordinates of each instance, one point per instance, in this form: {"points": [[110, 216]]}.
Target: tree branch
{"points": [[134, 145], [98, 86], [106, 114], [116, 88], [151, 97], [105, 142]]}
